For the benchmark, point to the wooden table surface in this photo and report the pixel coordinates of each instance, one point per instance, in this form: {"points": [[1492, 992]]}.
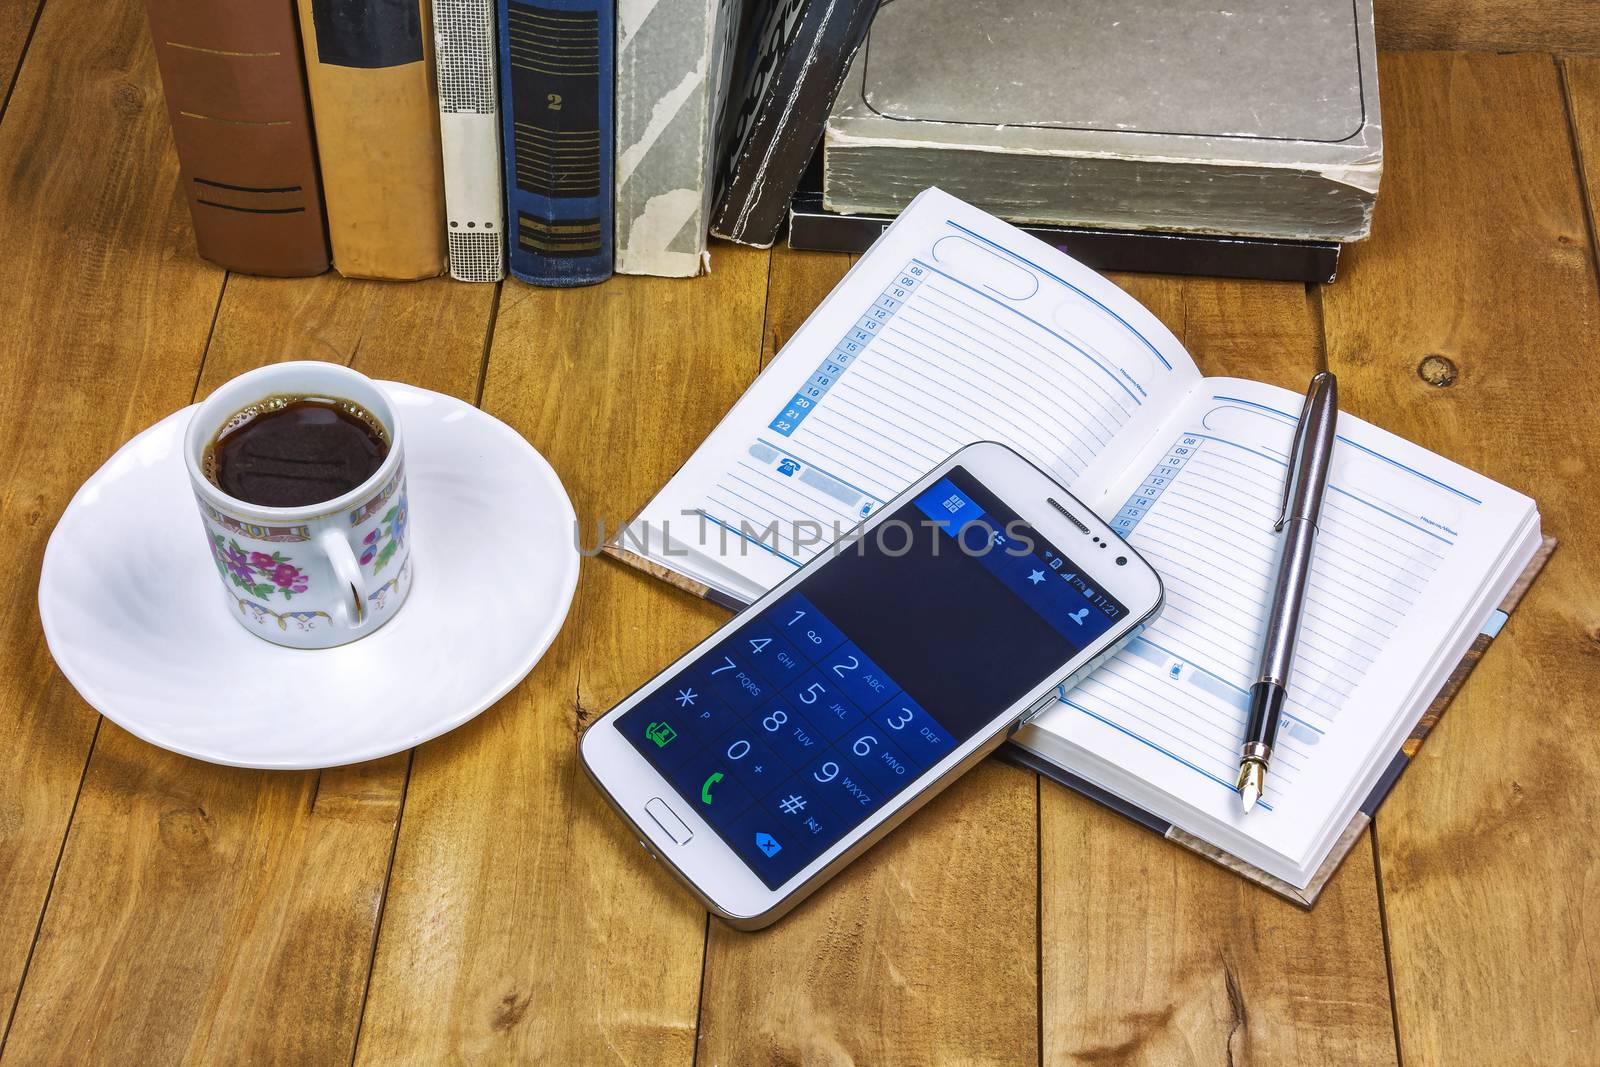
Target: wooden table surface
{"points": [[475, 901]]}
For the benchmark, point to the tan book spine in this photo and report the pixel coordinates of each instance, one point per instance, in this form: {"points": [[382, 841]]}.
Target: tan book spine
{"points": [[369, 65]]}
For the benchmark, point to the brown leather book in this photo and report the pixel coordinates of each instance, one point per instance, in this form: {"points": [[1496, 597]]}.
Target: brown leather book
{"points": [[232, 75], [369, 64]]}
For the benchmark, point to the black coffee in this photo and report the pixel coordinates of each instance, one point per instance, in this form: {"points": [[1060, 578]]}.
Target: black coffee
{"points": [[291, 451]]}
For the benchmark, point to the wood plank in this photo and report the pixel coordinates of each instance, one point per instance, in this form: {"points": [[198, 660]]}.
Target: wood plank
{"points": [[1486, 846], [208, 915], [524, 923], [429, 334], [16, 23], [797, 283], [1490, 25], [106, 312], [1153, 955], [1582, 81], [287, 869], [922, 950]]}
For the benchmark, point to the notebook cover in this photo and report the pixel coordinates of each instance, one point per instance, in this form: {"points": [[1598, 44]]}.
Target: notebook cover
{"points": [[556, 87], [237, 99], [1011, 752], [813, 228], [368, 63], [793, 61]]}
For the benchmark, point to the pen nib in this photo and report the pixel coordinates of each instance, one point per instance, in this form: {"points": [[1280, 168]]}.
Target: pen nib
{"points": [[1249, 785]]}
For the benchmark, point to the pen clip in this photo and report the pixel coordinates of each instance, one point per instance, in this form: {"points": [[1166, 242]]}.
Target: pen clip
{"points": [[1296, 447]]}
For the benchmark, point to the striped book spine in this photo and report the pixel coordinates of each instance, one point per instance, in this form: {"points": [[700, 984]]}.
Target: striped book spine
{"points": [[237, 98], [556, 84]]}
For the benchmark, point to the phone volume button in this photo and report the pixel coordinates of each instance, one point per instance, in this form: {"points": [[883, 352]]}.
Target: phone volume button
{"points": [[1028, 716]]}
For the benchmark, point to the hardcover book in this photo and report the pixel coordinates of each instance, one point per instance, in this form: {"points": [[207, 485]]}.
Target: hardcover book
{"points": [[674, 61], [1259, 119], [957, 327], [793, 58], [237, 99], [813, 228], [556, 92], [469, 131], [377, 121]]}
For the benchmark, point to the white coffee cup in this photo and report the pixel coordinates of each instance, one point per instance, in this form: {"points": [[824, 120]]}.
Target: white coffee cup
{"points": [[318, 575]]}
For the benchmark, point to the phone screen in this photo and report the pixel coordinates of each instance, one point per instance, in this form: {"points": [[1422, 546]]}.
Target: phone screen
{"points": [[820, 709]]}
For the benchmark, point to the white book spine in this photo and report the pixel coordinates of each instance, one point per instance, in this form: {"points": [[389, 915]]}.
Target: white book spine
{"points": [[469, 131], [674, 59]]}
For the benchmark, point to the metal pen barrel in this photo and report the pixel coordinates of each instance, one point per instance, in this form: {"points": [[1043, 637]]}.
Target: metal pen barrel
{"points": [[1310, 459]]}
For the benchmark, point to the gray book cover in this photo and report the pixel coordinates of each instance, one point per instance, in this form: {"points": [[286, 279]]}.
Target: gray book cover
{"points": [[674, 60], [1258, 118]]}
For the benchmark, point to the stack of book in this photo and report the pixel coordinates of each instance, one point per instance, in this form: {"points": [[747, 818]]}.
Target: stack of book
{"points": [[1246, 139], [566, 139]]}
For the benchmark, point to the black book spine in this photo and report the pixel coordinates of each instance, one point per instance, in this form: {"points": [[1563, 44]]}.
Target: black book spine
{"points": [[795, 61], [812, 228]]}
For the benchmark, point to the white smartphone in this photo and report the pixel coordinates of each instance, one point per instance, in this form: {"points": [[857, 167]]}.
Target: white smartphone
{"points": [[782, 746]]}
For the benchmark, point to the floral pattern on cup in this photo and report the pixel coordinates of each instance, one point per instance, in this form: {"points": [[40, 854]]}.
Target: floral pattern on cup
{"points": [[260, 574], [386, 538], [380, 596], [260, 614]]}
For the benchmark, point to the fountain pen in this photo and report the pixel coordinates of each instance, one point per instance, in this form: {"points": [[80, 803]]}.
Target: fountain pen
{"points": [[1310, 457]]}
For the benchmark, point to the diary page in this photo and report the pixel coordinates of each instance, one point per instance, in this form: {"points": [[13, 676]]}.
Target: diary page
{"points": [[1406, 541], [954, 328]]}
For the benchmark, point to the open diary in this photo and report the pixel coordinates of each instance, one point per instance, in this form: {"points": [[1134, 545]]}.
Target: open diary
{"points": [[956, 327]]}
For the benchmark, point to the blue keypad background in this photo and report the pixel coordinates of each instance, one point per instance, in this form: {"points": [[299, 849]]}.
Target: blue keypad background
{"points": [[786, 735]]}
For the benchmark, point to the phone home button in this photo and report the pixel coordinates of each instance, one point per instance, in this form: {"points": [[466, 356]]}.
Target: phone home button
{"points": [[670, 823]]}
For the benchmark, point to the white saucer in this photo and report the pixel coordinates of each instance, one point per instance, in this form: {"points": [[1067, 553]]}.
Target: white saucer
{"points": [[129, 601]]}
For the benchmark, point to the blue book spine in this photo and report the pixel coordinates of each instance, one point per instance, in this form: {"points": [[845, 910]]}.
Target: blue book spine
{"points": [[556, 84]]}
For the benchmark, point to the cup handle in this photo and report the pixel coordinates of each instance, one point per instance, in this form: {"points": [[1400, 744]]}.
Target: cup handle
{"points": [[350, 607]]}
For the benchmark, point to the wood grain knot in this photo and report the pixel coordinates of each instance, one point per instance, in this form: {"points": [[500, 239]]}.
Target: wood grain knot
{"points": [[511, 1009], [1438, 372], [186, 828], [128, 99]]}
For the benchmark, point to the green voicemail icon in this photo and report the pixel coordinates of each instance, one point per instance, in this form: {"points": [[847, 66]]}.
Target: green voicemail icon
{"points": [[660, 733]]}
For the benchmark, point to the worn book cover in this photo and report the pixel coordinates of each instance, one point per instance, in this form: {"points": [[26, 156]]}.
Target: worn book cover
{"points": [[237, 98], [368, 63], [813, 228], [793, 58], [674, 61], [556, 91], [1257, 119]]}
